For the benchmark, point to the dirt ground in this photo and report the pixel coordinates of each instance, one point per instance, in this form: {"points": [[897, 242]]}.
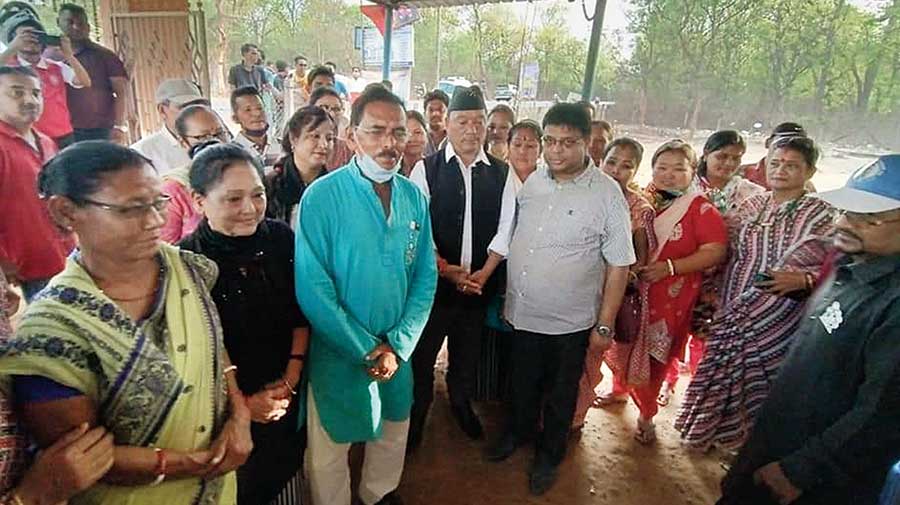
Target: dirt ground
{"points": [[604, 465]]}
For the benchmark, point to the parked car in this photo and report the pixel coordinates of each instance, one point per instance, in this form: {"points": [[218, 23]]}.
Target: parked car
{"points": [[505, 92], [449, 84]]}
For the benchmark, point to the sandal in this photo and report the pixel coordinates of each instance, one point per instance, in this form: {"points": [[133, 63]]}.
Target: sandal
{"points": [[646, 432], [608, 400], [665, 395]]}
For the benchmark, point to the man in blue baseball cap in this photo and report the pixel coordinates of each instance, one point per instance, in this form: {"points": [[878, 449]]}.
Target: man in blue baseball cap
{"points": [[830, 428]]}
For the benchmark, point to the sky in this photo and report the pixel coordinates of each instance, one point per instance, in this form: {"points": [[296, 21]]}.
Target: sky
{"points": [[616, 15]]}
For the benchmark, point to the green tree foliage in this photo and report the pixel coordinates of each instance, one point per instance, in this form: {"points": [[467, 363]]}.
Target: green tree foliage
{"points": [[716, 63], [490, 43], [321, 30]]}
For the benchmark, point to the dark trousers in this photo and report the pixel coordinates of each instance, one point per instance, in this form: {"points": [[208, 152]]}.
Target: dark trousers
{"points": [[92, 134], [544, 385], [463, 326]]}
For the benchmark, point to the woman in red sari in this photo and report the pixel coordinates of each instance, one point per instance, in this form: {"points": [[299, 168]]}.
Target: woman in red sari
{"points": [[691, 238]]}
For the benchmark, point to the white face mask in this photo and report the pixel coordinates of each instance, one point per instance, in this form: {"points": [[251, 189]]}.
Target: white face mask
{"points": [[372, 170]]}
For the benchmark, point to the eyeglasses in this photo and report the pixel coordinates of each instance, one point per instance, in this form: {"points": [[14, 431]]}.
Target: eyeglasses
{"points": [[132, 211], [399, 134], [335, 110], [316, 138], [861, 218], [222, 135], [568, 142]]}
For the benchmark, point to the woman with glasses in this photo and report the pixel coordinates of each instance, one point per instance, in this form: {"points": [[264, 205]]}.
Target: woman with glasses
{"points": [[263, 327], [415, 146], [779, 241], [329, 99], [127, 337], [691, 238], [195, 125], [307, 145]]}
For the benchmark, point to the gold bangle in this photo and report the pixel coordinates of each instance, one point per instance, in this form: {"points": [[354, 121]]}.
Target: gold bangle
{"points": [[232, 368], [13, 499], [671, 265]]}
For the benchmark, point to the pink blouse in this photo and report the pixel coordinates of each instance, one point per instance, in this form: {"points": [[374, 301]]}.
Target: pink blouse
{"points": [[182, 217]]}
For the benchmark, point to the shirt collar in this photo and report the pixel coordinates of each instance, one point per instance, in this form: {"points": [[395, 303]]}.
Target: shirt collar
{"points": [[872, 269], [42, 64], [245, 140], [169, 136], [8, 131], [450, 153], [585, 178]]}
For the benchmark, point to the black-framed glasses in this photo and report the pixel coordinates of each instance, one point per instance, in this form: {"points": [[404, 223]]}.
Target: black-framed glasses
{"points": [[159, 205], [861, 218], [567, 142], [223, 135]]}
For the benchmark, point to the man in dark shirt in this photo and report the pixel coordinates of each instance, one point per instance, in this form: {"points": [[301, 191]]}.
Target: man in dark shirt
{"points": [[248, 72], [97, 111], [830, 429]]}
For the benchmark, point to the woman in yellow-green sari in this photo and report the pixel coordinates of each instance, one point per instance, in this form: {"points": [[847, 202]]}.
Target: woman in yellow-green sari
{"points": [[127, 337]]}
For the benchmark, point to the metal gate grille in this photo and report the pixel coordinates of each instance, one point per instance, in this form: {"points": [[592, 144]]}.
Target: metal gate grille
{"points": [[157, 46]]}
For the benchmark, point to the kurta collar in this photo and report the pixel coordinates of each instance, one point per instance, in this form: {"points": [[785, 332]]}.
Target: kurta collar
{"points": [[360, 179]]}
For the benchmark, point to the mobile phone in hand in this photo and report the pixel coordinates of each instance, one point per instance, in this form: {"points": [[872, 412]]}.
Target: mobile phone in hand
{"points": [[762, 277], [47, 39]]}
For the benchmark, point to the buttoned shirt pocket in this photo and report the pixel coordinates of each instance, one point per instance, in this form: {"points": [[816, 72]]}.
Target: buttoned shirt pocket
{"points": [[574, 229]]}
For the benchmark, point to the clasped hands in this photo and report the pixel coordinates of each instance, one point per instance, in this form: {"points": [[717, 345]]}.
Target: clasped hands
{"points": [[466, 283], [384, 363], [271, 402]]}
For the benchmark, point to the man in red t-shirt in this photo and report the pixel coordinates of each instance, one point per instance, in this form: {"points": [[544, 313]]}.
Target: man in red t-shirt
{"points": [[32, 248], [25, 49]]}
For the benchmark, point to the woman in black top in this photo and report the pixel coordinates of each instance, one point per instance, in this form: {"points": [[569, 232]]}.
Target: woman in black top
{"points": [[265, 332], [308, 143]]}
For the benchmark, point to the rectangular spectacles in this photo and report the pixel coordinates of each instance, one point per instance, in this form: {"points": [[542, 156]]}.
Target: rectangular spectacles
{"points": [[132, 211], [222, 135], [568, 142]]}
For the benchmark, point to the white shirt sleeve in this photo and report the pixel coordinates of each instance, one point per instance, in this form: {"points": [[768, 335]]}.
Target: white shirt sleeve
{"points": [[68, 74], [500, 243], [418, 177]]}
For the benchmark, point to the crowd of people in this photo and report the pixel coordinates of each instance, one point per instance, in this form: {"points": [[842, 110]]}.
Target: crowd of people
{"points": [[216, 318]]}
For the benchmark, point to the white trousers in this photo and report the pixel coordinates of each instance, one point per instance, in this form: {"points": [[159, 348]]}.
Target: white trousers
{"points": [[329, 473]]}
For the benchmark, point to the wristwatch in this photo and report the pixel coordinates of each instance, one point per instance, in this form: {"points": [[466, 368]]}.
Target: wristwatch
{"points": [[603, 330], [121, 127]]}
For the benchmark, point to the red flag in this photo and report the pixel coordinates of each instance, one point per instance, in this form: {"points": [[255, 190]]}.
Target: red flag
{"points": [[402, 16], [376, 14]]}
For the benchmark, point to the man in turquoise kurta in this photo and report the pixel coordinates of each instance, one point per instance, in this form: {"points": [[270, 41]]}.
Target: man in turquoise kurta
{"points": [[365, 277]]}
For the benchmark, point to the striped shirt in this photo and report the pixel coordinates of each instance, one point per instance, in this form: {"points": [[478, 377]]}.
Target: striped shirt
{"points": [[566, 233]]}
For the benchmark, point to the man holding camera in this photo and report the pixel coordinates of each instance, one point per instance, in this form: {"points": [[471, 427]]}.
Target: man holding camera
{"points": [[26, 40]]}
